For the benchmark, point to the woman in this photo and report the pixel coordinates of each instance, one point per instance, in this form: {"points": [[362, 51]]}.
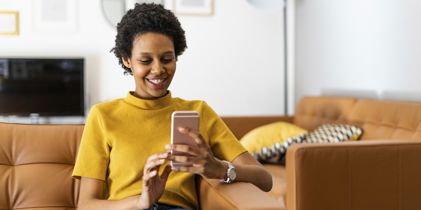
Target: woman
{"points": [[125, 148]]}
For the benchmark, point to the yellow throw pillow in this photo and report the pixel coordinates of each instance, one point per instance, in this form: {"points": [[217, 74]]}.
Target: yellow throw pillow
{"points": [[267, 135]]}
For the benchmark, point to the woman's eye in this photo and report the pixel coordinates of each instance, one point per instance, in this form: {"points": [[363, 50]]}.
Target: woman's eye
{"points": [[166, 60], [145, 61]]}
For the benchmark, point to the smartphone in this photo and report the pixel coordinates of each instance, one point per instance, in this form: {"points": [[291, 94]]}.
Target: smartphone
{"points": [[189, 119]]}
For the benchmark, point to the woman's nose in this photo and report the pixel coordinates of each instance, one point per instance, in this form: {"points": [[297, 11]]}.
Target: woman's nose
{"points": [[158, 68]]}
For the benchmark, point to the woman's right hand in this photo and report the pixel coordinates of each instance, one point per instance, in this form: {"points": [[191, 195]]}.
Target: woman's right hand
{"points": [[153, 184]]}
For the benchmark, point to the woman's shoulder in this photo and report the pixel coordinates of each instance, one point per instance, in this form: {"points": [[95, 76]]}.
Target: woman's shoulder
{"points": [[197, 105], [190, 104]]}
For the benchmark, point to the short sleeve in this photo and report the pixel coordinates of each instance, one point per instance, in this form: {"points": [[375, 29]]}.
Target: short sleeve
{"points": [[94, 152], [222, 141]]}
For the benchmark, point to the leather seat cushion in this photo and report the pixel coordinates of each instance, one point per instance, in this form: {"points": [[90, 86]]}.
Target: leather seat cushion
{"points": [[279, 180]]}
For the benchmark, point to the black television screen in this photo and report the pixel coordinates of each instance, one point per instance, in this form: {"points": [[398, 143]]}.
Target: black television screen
{"points": [[45, 86]]}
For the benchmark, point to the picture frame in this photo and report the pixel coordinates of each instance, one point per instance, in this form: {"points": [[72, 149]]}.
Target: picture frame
{"points": [[9, 23], [193, 7], [55, 16]]}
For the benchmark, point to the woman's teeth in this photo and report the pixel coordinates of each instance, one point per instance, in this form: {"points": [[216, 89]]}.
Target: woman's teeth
{"points": [[156, 81]]}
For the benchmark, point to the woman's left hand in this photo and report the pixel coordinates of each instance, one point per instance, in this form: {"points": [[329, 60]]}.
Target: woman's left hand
{"points": [[197, 160]]}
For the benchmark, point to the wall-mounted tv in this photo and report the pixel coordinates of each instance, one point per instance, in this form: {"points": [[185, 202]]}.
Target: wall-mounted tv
{"points": [[44, 86]]}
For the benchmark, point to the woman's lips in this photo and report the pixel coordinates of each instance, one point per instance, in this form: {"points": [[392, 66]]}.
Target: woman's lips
{"points": [[156, 83]]}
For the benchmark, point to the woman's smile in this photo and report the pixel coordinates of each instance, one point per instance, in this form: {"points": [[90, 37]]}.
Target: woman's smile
{"points": [[156, 83]]}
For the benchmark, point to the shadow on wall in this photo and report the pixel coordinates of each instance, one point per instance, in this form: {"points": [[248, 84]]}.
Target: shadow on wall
{"points": [[401, 95], [367, 94]]}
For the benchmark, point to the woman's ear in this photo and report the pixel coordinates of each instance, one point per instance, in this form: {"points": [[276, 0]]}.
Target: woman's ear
{"points": [[126, 62]]}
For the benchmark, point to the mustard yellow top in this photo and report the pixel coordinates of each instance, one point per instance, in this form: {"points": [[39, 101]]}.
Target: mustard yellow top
{"points": [[121, 134]]}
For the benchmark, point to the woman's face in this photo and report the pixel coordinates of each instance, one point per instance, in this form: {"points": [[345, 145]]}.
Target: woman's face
{"points": [[153, 64]]}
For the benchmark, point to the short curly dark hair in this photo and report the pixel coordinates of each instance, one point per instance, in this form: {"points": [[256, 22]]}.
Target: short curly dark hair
{"points": [[145, 18]]}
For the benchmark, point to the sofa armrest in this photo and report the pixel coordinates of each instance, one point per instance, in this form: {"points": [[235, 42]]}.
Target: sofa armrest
{"points": [[354, 175], [242, 196], [240, 125]]}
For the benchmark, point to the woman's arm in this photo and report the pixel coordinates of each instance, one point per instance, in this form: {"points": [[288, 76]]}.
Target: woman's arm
{"points": [[201, 161], [249, 170], [153, 185], [91, 197]]}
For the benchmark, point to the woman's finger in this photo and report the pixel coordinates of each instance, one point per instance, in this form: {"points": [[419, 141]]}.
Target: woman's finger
{"points": [[166, 173], [181, 158], [157, 156], [180, 168], [149, 175], [196, 136], [154, 161], [196, 169], [188, 159], [153, 164], [185, 150]]}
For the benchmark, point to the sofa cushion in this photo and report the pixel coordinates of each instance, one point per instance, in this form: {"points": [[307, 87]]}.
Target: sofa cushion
{"points": [[276, 153], [36, 162], [333, 133], [313, 111], [278, 179], [269, 134], [387, 119]]}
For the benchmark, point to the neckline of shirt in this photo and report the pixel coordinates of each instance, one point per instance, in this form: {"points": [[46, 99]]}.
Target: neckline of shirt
{"points": [[148, 103]]}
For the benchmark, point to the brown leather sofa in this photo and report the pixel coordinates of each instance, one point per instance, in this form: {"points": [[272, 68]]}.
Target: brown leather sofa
{"points": [[36, 162], [382, 171]]}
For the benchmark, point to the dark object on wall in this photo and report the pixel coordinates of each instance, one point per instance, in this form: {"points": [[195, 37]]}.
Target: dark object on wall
{"points": [[42, 86]]}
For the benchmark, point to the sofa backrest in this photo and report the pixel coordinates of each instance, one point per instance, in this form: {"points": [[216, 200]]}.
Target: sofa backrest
{"points": [[36, 162], [313, 111], [382, 119]]}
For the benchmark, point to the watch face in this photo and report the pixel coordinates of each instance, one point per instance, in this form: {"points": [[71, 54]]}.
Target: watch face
{"points": [[232, 174]]}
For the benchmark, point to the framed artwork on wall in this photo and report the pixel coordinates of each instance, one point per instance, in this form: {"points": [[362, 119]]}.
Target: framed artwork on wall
{"points": [[55, 16], [9, 23], [193, 7]]}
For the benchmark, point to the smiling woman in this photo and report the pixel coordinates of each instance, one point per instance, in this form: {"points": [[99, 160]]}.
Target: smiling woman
{"points": [[126, 148]]}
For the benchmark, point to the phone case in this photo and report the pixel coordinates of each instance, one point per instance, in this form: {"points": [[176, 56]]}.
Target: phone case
{"points": [[188, 119]]}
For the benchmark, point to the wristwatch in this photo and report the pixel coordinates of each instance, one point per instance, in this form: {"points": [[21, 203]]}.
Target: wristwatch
{"points": [[231, 174]]}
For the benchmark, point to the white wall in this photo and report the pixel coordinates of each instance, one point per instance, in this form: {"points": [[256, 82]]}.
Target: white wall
{"points": [[368, 48], [234, 59]]}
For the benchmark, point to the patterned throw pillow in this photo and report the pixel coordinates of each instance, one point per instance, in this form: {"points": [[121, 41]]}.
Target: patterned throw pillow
{"points": [[269, 134], [333, 133], [326, 133], [276, 152]]}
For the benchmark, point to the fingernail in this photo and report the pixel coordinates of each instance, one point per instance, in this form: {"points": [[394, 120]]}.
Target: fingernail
{"points": [[181, 129]]}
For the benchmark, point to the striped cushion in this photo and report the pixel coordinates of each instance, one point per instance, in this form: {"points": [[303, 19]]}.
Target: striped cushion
{"points": [[326, 133]]}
